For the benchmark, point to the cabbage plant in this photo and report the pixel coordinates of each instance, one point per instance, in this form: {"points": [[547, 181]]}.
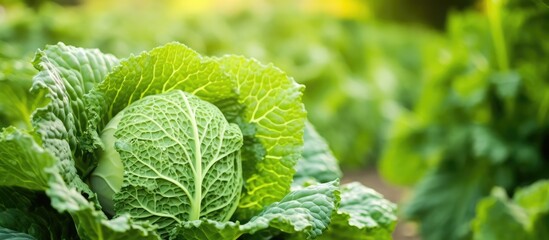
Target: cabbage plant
{"points": [[169, 144]]}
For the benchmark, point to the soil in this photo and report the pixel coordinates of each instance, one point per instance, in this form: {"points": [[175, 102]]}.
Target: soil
{"points": [[404, 230]]}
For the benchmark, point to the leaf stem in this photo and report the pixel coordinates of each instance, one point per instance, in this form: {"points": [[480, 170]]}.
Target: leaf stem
{"points": [[498, 38]]}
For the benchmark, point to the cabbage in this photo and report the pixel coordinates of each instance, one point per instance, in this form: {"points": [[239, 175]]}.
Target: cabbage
{"points": [[173, 145], [177, 149]]}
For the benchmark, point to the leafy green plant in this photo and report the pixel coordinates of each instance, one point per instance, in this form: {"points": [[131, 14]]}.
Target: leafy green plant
{"points": [[526, 216], [481, 120], [174, 145]]}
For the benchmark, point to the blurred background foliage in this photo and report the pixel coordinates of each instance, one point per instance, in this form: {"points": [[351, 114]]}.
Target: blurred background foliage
{"points": [[450, 98]]}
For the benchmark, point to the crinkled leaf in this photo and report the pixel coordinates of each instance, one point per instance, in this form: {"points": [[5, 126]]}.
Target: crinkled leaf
{"points": [[91, 223], [362, 214], [172, 66], [317, 163], [272, 120], [305, 212], [22, 160], [181, 160], [67, 74]]}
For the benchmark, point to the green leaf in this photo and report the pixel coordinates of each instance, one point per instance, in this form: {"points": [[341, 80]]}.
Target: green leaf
{"points": [[434, 201], [181, 161], [274, 113], [91, 223], [305, 213], [40, 173], [16, 102], [67, 74], [362, 214], [14, 235], [534, 198], [524, 217], [23, 161], [317, 163], [165, 68], [29, 212], [497, 219]]}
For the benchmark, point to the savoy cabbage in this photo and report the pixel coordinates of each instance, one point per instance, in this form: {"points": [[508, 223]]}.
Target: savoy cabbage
{"points": [[170, 144]]}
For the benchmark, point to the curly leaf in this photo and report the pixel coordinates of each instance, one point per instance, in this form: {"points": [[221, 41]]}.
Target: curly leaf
{"points": [[317, 163], [91, 223], [362, 214], [67, 74], [172, 66], [275, 116], [305, 212]]}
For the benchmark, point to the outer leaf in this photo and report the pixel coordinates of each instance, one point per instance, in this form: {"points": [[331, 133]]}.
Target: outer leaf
{"points": [[67, 74], [27, 209], [23, 161], [363, 214], [172, 66], [181, 160], [91, 223], [305, 213], [16, 103], [14, 235], [317, 163], [496, 219], [30, 212], [272, 121], [525, 217]]}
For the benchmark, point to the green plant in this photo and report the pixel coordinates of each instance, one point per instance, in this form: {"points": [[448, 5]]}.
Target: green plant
{"points": [[481, 120], [524, 217], [198, 139]]}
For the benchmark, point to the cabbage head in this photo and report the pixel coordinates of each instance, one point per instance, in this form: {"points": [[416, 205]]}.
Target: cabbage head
{"points": [[178, 150]]}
